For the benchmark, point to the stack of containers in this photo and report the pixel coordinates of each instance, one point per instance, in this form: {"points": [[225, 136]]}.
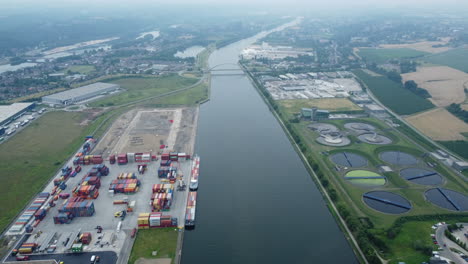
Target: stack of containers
{"points": [[130, 157], [182, 156], [124, 176], [163, 188], [155, 219], [165, 156], [63, 218], [143, 221], [78, 207], [81, 157], [112, 159], [165, 162], [174, 156], [40, 214], [142, 157], [27, 248], [125, 185], [122, 159], [161, 199], [99, 170], [30, 212], [86, 192]]}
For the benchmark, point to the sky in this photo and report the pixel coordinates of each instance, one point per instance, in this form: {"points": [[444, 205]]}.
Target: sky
{"points": [[311, 3], [285, 6]]}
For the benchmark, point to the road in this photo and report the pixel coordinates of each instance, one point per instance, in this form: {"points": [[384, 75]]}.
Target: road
{"points": [[107, 257], [447, 253]]}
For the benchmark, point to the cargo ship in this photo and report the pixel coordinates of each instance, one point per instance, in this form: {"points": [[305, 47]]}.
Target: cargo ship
{"points": [[195, 172], [190, 210]]}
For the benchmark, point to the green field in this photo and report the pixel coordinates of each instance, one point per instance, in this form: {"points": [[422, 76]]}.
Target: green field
{"points": [[383, 55], [411, 235], [82, 69], [192, 96], [393, 95], [364, 173], [456, 58], [137, 88], [331, 104], [162, 240], [28, 160]]}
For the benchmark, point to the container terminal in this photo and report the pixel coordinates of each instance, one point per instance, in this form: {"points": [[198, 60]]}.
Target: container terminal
{"points": [[97, 203]]}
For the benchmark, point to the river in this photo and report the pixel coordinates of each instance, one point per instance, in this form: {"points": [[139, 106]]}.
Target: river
{"points": [[256, 201]]}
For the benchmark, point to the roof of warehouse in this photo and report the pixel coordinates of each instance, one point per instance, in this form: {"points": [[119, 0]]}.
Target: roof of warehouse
{"points": [[7, 111], [81, 91]]}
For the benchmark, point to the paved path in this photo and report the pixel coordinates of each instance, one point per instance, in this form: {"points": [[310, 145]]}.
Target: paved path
{"points": [[447, 253]]}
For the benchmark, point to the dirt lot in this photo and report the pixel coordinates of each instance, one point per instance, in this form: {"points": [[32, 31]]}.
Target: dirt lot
{"points": [[426, 46], [439, 124], [144, 130], [445, 84]]}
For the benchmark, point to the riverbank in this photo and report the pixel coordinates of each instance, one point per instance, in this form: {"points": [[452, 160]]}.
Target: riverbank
{"points": [[266, 189], [369, 227], [331, 205]]}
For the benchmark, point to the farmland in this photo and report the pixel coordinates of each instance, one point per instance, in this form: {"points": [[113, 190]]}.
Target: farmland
{"points": [[446, 85], [456, 58], [424, 46], [28, 160], [448, 126], [138, 88], [382, 55], [393, 95]]}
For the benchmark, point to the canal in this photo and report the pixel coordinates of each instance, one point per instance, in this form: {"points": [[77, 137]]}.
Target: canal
{"points": [[256, 201]]}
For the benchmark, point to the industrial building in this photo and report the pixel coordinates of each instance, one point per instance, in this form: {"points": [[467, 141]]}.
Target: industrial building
{"points": [[460, 165], [79, 94], [314, 114], [13, 111]]}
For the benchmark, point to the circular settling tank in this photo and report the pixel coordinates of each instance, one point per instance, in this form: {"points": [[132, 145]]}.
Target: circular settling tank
{"points": [[448, 199], [398, 158], [334, 139], [323, 128], [386, 202], [359, 127], [348, 159], [421, 176], [364, 177], [374, 138]]}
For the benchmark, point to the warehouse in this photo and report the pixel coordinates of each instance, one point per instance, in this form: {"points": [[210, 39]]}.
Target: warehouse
{"points": [[11, 112], [79, 94]]}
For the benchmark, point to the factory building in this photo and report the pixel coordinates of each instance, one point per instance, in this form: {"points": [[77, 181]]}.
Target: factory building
{"points": [[13, 111], [460, 165], [314, 114], [79, 94]]}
